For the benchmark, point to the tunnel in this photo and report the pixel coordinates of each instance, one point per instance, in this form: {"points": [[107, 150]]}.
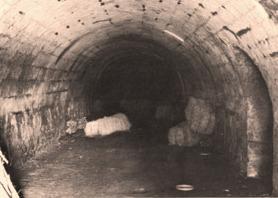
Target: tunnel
{"points": [[65, 60]]}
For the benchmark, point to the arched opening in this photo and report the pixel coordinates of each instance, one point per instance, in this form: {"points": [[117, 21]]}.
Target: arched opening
{"points": [[136, 79], [136, 76]]}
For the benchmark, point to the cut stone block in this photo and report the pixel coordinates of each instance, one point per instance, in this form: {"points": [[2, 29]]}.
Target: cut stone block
{"points": [[200, 116], [181, 135], [107, 125]]}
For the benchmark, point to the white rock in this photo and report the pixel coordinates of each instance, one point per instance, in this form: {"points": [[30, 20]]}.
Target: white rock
{"points": [[71, 126], [181, 135], [200, 116], [107, 125]]}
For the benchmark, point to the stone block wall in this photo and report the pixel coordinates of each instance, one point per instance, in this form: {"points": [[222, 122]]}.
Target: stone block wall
{"points": [[36, 101]]}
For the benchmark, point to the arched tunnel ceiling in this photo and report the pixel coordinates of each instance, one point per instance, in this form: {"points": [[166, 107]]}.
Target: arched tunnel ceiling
{"points": [[53, 40], [56, 24], [47, 43], [58, 34], [64, 30]]}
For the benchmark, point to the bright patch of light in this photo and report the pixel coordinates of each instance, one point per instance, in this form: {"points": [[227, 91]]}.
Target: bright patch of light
{"points": [[174, 35]]}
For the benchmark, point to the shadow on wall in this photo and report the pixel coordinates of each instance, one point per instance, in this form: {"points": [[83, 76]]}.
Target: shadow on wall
{"points": [[259, 117]]}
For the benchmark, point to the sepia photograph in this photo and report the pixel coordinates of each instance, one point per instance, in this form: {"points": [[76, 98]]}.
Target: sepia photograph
{"points": [[138, 98]]}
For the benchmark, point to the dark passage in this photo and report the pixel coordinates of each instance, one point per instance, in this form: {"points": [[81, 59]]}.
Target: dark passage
{"points": [[135, 76], [132, 164], [168, 99], [220, 118]]}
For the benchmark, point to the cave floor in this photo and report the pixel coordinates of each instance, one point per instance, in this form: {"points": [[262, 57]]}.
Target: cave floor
{"points": [[131, 165]]}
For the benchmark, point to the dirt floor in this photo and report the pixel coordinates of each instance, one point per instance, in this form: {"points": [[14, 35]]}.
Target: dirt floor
{"points": [[131, 165]]}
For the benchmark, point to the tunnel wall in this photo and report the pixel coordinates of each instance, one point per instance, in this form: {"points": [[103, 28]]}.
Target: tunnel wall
{"points": [[35, 102], [259, 117]]}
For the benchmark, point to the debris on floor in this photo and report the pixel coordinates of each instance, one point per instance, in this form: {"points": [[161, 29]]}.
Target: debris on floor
{"points": [[184, 187], [197, 127], [73, 126], [181, 135], [139, 190], [200, 116], [107, 125], [137, 166]]}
